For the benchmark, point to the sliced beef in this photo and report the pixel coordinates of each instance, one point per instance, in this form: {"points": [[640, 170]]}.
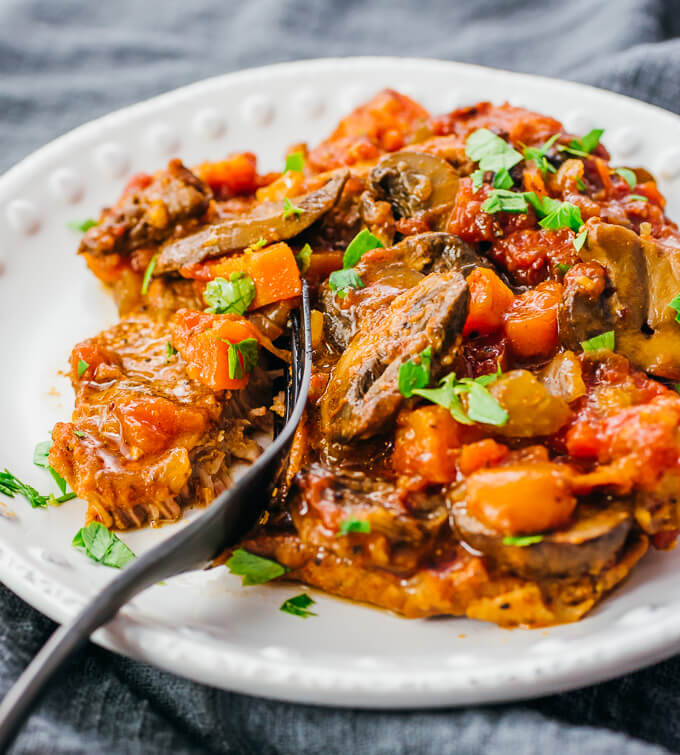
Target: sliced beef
{"points": [[388, 272], [149, 212], [271, 221], [363, 396]]}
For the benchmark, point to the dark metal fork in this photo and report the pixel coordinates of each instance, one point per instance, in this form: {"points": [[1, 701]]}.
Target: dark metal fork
{"points": [[228, 518]]}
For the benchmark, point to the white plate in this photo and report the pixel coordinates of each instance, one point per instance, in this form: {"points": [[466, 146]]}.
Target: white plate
{"points": [[205, 626]]}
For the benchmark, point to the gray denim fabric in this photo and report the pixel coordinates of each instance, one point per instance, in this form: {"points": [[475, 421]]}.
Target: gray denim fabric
{"points": [[65, 62]]}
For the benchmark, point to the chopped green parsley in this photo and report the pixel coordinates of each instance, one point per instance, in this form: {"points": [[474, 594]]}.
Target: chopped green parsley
{"points": [[538, 155], [490, 151], [304, 258], [363, 242], [415, 374], [585, 145], [295, 162], [603, 341], [521, 541], [255, 570], [234, 295], [340, 281], [102, 545], [628, 176], [580, 240], [148, 274], [298, 605], [82, 366], [82, 225], [290, 209], [501, 200], [242, 357], [354, 525]]}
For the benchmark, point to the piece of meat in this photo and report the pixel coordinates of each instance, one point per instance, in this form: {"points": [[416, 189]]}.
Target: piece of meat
{"points": [[144, 437], [148, 214], [590, 543], [363, 396], [271, 221], [386, 273]]}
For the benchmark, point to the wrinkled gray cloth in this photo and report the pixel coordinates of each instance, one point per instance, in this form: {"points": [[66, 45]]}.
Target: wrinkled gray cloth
{"points": [[64, 63]]}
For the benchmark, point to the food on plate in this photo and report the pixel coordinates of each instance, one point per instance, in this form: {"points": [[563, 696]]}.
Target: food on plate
{"points": [[493, 428]]}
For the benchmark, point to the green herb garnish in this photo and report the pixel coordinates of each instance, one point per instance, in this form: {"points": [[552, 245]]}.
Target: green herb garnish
{"points": [[363, 242], [295, 162], [563, 268], [257, 244], [538, 155], [415, 374], [502, 180], [490, 151], [553, 213], [242, 357], [603, 341], [82, 225], [82, 366], [290, 209], [521, 541], [255, 570], [481, 405], [585, 145], [674, 303], [580, 240], [477, 179], [41, 459], [170, 351], [353, 525], [304, 258], [639, 197], [340, 281], [148, 274], [79, 434], [628, 176], [102, 546], [501, 200], [580, 184], [233, 295], [11, 485], [298, 605]]}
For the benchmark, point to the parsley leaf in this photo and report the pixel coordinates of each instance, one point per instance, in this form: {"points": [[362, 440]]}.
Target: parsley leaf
{"points": [[580, 240], [521, 541], [242, 357], [502, 180], [482, 406], [11, 485], [363, 242], [290, 209], [298, 605], [233, 295], [170, 351], [255, 570], [603, 341], [82, 366], [492, 152], [304, 258], [628, 176], [340, 281], [102, 545], [40, 459], [674, 303], [501, 200], [415, 375], [295, 162], [580, 184], [477, 179], [538, 155], [639, 197], [82, 225], [553, 213], [563, 268], [585, 145], [257, 245], [354, 525], [148, 274], [79, 434]]}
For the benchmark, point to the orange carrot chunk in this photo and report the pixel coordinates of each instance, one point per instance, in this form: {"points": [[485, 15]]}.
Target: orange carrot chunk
{"points": [[489, 299], [531, 322]]}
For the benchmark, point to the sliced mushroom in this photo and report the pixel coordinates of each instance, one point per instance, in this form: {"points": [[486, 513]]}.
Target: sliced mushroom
{"points": [[385, 273], [269, 221], [642, 277], [592, 540], [410, 183], [363, 396]]}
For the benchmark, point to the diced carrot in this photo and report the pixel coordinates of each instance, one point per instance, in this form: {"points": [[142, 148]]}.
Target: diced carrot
{"points": [[426, 444], [272, 268], [289, 184], [235, 175], [483, 453], [531, 322], [489, 299], [203, 341], [521, 498], [650, 190], [108, 267]]}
